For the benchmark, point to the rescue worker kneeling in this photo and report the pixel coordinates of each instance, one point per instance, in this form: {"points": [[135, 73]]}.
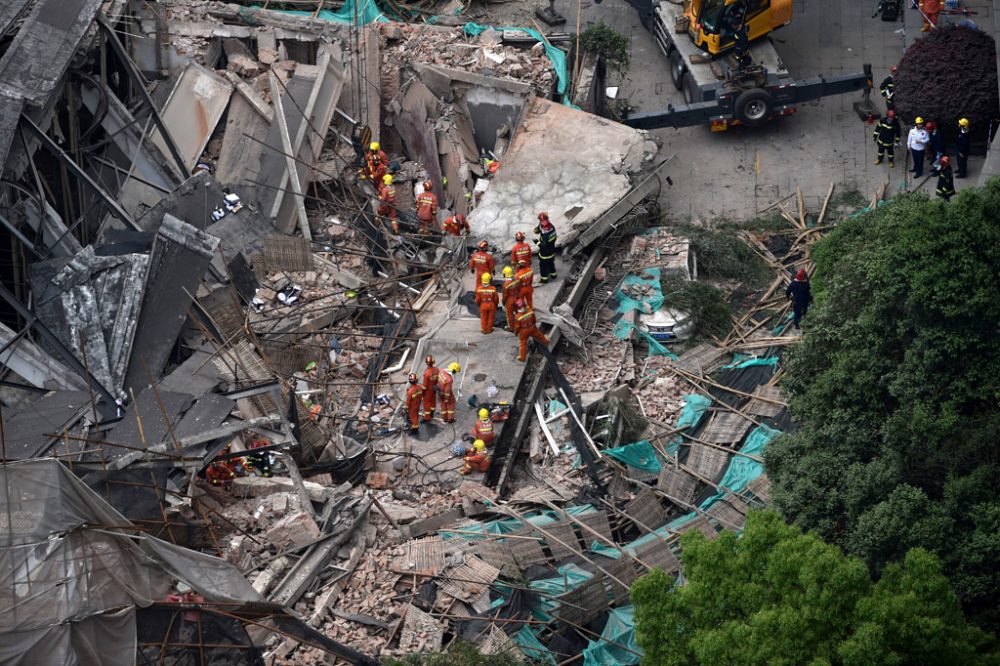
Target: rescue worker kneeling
{"points": [[476, 459]]}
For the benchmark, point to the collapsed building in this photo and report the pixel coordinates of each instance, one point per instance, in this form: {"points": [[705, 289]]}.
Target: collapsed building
{"points": [[206, 331]]}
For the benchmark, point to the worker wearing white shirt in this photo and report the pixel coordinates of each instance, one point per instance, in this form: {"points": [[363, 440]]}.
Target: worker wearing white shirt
{"points": [[916, 141]]}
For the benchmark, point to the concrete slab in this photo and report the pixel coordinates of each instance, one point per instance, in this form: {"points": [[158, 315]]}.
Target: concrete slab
{"points": [[193, 110], [572, 164]]}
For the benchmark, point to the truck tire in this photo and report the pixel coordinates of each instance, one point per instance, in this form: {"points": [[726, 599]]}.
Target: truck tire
{"points": [[676, 69], [691, 92], [753, 107]]}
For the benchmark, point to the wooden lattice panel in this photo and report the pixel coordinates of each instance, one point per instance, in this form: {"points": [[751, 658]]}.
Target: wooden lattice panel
{"points": [[760, 488], [223, 306], [564, 532], [704, 359], [728, 514], [469, 580], [646, 510], [241, 364], [657, 553], [598, 522], [702, 525], [287, 359], [534, 495], [527, 551], [498, 642], [421, 631], [584, 602], [706, 461], [725, 428], [421, 556], [499, 554], [677, 484], [624, 570], [288, 253], [763, 408]]}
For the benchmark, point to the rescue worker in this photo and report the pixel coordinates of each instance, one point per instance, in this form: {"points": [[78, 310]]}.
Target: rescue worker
{"points": [[929, 9], [521, 250], [962, 147], [935, 143], [430, 389], [888, 89], [526, 327], [481, 261], [376, 164], [511, 292], [487, 300], [261, 460], [427, 208], [887, 135], [945, 183], [526, 277], [457, 225], [801, 294], [546, 242], [476, 459], [220, 473], [446, 382], [387, 202], [483, 429], [414, 396], [917, 141]]}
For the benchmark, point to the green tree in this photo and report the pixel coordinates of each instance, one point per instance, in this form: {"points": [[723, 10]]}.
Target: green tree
{"points": [[777, 597], [896, 387]]}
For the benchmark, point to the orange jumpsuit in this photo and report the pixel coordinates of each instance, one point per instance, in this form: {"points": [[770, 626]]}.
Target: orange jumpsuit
{"points": [[481, 262], [430, 387], [427, 210], [220, 474], [487, 299], [376, 165], [455, 228], [526, 328], [414, 396], [526, 276], [387, 205], [931, 10], [476, 462], [511, 290], [484, 430], [445, 384], [520, 252]]}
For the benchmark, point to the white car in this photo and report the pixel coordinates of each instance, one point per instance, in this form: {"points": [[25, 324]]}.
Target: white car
{"points": [[667, 325]]}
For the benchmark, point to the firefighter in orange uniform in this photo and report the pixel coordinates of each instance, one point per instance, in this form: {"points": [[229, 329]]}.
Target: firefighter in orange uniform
{"points": [[376, 164], [526, 277], [414, 396], [521, 251], [511, 291], [430, 389], [487, 300], [427, 208], [446, 382], [483, 429], [481, 262], [526, 327], [457, 225], [476, 458], [387, 202]]}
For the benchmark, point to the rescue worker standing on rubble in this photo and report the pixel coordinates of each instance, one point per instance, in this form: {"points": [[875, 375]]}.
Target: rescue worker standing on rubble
{"points": [[521, 250], [446, 383], [430, 389], [481, 261], [487, 300], [887, 135], [483, 429], [457, 225], [526, 327], [387, 202], [376, 164], [526, 277], [261, 460], [476, 459], [414, 397], [546, 242], [801, 294], [962, 147], [945, 182], [511, 292], [427, 209]]}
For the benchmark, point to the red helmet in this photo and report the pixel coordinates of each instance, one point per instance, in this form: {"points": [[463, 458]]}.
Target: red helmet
{"points": [[519, 236], [428, 186], [945, 161], [429, 360], [413, 378], [930, 125], [520, 303], [460, 218], [890, 114], [801, 274], [543, 216], [893, 69], [483, 245]]}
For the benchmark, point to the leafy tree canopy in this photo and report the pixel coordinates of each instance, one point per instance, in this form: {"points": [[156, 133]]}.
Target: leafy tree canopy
{"points": [[777, 597], [896, 387]]}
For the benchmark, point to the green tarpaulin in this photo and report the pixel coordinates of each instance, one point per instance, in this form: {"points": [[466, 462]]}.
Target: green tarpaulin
{"points": [[649, 282], [617, 644], [695, 407], [531, 647], [640, 455]]}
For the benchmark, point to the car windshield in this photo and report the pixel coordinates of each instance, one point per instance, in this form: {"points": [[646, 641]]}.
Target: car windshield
{"points": [[711, 15]]}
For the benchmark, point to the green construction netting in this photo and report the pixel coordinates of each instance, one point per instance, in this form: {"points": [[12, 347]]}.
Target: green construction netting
{"points": [[624, 328], [695, 407], [747, 360], [570, 577], [531, 647], [556, 56], [511, 525], [617, 644], [651, 302], [640, 455]]}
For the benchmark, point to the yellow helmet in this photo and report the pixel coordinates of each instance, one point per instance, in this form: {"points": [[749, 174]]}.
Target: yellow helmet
{"points": [[454, 367], [479, 445], [918, 121], [963, 122], [508, 272], [486, 279], [387, 179], [484, 414], [374, 145]]}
